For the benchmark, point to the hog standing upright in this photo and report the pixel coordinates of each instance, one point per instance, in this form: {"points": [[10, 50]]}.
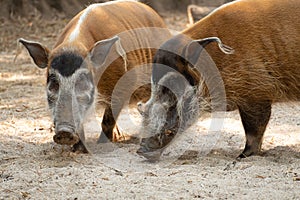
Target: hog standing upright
{"points": [[81, 52], [264, 69]]}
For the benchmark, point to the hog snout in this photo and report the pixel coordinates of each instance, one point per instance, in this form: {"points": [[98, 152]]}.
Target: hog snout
{"points": [[65, 135], [150, 149], [152, 156]]}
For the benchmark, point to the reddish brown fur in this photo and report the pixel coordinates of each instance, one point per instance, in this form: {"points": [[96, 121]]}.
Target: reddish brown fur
{"points": [[111, 24], [264, 69], [265, 66], [114, 19], [104, 21], [265, 37]]}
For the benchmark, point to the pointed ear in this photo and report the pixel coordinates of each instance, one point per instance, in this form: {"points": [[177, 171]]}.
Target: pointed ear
{"points": [[101, 49], [194, 48], [38, 52]]}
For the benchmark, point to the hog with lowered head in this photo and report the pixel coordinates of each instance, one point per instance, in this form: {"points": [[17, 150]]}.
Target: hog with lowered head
{"points": [[76, 66], [264, 69]]}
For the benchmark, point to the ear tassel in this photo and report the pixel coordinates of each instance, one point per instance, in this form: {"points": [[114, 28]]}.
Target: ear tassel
{"points": [[224, 48], [121, 52]]}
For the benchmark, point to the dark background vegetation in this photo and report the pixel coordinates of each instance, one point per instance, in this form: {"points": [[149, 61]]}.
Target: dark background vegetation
{"points": [[50, 9], [42, 20]]}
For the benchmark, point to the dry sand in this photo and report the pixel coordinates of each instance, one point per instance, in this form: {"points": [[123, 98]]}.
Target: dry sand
{"points": [[200, 166]]}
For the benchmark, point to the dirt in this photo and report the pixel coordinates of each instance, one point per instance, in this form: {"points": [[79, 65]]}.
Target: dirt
{"points": [[200, 165]]}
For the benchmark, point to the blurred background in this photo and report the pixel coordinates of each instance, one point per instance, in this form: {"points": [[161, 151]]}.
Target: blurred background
{"points": [[42, 20], [68, 8]]}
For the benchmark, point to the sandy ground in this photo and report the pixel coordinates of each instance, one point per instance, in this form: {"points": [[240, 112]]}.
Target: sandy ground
{"points": [[200, 164]]}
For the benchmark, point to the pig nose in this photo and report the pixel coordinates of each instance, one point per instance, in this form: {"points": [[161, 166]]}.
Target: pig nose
{"points": [[65, 135], [151, 156]]}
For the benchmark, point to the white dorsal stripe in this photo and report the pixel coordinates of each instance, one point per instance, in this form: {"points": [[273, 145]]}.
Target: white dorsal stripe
{"points": [[76, 30], [75, 33]]}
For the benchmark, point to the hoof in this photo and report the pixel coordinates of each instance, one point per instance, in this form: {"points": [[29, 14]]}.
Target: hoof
{"points": [[241, 156], [127, 139], [248, 152], [117, 137]]}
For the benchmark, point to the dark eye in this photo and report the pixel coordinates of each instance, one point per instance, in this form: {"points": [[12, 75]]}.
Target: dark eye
{"points": [[83, 83], [84, 89], [53, 84]]}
